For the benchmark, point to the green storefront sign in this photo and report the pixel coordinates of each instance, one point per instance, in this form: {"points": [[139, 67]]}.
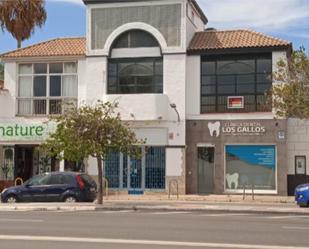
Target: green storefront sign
{"points": [[21, 131]]}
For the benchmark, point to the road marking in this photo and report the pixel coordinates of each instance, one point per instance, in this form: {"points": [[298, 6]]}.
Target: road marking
{"points": [[296, 228], [21, 220], [142, 242], [224, 215], [287, 217], [117, 212], [168, 213]]}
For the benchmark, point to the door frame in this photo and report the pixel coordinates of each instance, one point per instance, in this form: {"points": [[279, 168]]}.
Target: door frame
{"points": [[204, 145]]}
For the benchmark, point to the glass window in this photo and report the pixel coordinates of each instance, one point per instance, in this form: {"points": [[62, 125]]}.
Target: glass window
{"points": [[235, 75], [264, 65], [39, 86], [135, 39], [47, 91], [133, 76], [25, 69], [40, 68], [55, 86], [250, 165], [55, 68], [25, 83], [70, 67]]}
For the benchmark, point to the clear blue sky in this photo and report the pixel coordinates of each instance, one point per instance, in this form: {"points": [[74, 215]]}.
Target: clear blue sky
{"points": [[286, 19]]}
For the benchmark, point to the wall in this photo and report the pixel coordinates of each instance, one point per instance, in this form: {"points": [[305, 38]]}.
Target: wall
{"points": [[198, 132]]}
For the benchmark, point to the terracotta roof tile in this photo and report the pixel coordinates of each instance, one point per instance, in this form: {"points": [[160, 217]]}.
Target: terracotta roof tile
{"points": [[233, 39], [55, 47]]}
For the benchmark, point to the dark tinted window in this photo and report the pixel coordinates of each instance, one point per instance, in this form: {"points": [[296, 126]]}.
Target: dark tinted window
{"points": [[135, 39], [138, 75], [88, 180], [39, 86], [238, 75], [40, 68], [55, 86]]}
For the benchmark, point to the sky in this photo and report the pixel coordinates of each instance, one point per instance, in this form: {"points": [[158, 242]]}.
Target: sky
{"points": [[285, 19]]}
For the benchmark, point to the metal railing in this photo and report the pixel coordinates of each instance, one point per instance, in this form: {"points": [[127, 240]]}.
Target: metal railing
{"points": [[244, 191], [170, 187]]}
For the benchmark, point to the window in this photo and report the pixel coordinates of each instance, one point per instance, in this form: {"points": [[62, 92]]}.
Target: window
{"points": [[250, 166], [135, 76], [243, 75], [300, 165], [135, 39], [45, 89]]}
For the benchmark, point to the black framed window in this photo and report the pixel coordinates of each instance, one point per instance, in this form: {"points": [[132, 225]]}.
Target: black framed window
{"points": [[135, 76], [249, 76], [135, 39]]}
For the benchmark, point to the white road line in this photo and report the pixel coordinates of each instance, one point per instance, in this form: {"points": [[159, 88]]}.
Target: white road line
{"points": [[224, 215], [21, 220], [117, 212], [296, 228], [143, 242], [169, 213], [287, 217]]}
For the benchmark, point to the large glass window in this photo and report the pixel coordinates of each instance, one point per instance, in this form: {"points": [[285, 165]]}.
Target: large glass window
{"points": [[45, 89], [135, 75], [248, 76], [250, 166]]}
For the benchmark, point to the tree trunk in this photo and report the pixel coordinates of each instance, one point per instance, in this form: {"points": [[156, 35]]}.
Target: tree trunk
{"points": [[18, 43], [100, 176]]}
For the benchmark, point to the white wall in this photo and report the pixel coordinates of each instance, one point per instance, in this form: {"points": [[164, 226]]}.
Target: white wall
{"points": [[82, 87], [95, 78]]}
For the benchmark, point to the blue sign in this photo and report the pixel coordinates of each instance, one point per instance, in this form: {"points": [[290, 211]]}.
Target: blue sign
{"points": [[261, 155]]}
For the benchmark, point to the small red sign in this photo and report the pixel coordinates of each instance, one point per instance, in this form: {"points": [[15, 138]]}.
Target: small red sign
{"points": [[235, 102]]}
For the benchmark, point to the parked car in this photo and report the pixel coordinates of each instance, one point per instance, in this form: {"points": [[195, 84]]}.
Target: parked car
{"points": [[302, 195], [53, 187]]}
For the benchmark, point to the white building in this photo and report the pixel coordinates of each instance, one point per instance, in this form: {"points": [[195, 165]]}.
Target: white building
{"points": [[158, 62]]}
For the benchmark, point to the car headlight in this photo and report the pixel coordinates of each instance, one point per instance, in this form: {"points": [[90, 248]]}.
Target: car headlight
{"points": [[303, 188]]}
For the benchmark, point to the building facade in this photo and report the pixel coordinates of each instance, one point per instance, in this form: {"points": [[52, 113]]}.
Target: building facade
{"points": [[197, 96]]}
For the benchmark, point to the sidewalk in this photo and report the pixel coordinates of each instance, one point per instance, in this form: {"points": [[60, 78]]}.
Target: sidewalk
{"points": [[235, 204]]}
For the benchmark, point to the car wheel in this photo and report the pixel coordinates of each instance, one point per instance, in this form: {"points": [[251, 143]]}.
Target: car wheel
{"points": [[11, 199], [70, 199]]}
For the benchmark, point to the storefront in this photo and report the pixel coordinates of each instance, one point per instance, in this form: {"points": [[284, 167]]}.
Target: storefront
{"points": [[230, 156], [20, 156]]}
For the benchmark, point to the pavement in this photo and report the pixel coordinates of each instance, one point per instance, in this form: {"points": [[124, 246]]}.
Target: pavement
{"points": [[212, 203]]}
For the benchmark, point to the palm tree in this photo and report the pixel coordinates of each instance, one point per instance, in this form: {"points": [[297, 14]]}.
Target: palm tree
{"points": [[20, 17]]}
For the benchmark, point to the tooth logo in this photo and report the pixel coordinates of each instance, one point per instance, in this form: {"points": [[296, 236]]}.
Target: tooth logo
{"points": [[232, 180], [214, 128]]}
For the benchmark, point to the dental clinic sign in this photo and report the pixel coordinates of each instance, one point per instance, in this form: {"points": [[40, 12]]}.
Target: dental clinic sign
{"points": [[25, 131], [236, 128]]}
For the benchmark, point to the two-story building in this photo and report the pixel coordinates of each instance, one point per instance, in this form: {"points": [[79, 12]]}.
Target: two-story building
{"points": [[198, 97]]}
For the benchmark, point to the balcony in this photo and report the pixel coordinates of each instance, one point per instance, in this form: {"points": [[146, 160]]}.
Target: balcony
{"points": [[141, 107]]}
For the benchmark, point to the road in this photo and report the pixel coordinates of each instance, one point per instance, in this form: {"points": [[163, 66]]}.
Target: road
{"points": [[151, 230]]}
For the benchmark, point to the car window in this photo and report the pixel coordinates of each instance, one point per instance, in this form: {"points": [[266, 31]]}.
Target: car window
{"points": [[66, 179], [55, 179], [39, 180], [88, 180]]}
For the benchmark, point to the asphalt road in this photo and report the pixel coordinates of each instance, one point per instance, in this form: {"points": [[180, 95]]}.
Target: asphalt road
{"points": [[151, 230]]}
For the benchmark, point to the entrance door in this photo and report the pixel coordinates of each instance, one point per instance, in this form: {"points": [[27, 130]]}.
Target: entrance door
{"points": [[206, 170], [135, 173]]}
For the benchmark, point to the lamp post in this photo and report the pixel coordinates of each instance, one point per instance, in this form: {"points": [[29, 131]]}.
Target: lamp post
{"points": [[173, 106]]}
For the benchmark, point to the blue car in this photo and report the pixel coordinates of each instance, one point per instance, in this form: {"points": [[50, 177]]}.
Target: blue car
{"points": [[302, 195], [53, 187]]}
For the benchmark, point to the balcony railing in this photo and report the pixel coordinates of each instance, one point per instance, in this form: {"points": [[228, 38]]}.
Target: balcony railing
{"points": [[44, 106]]}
